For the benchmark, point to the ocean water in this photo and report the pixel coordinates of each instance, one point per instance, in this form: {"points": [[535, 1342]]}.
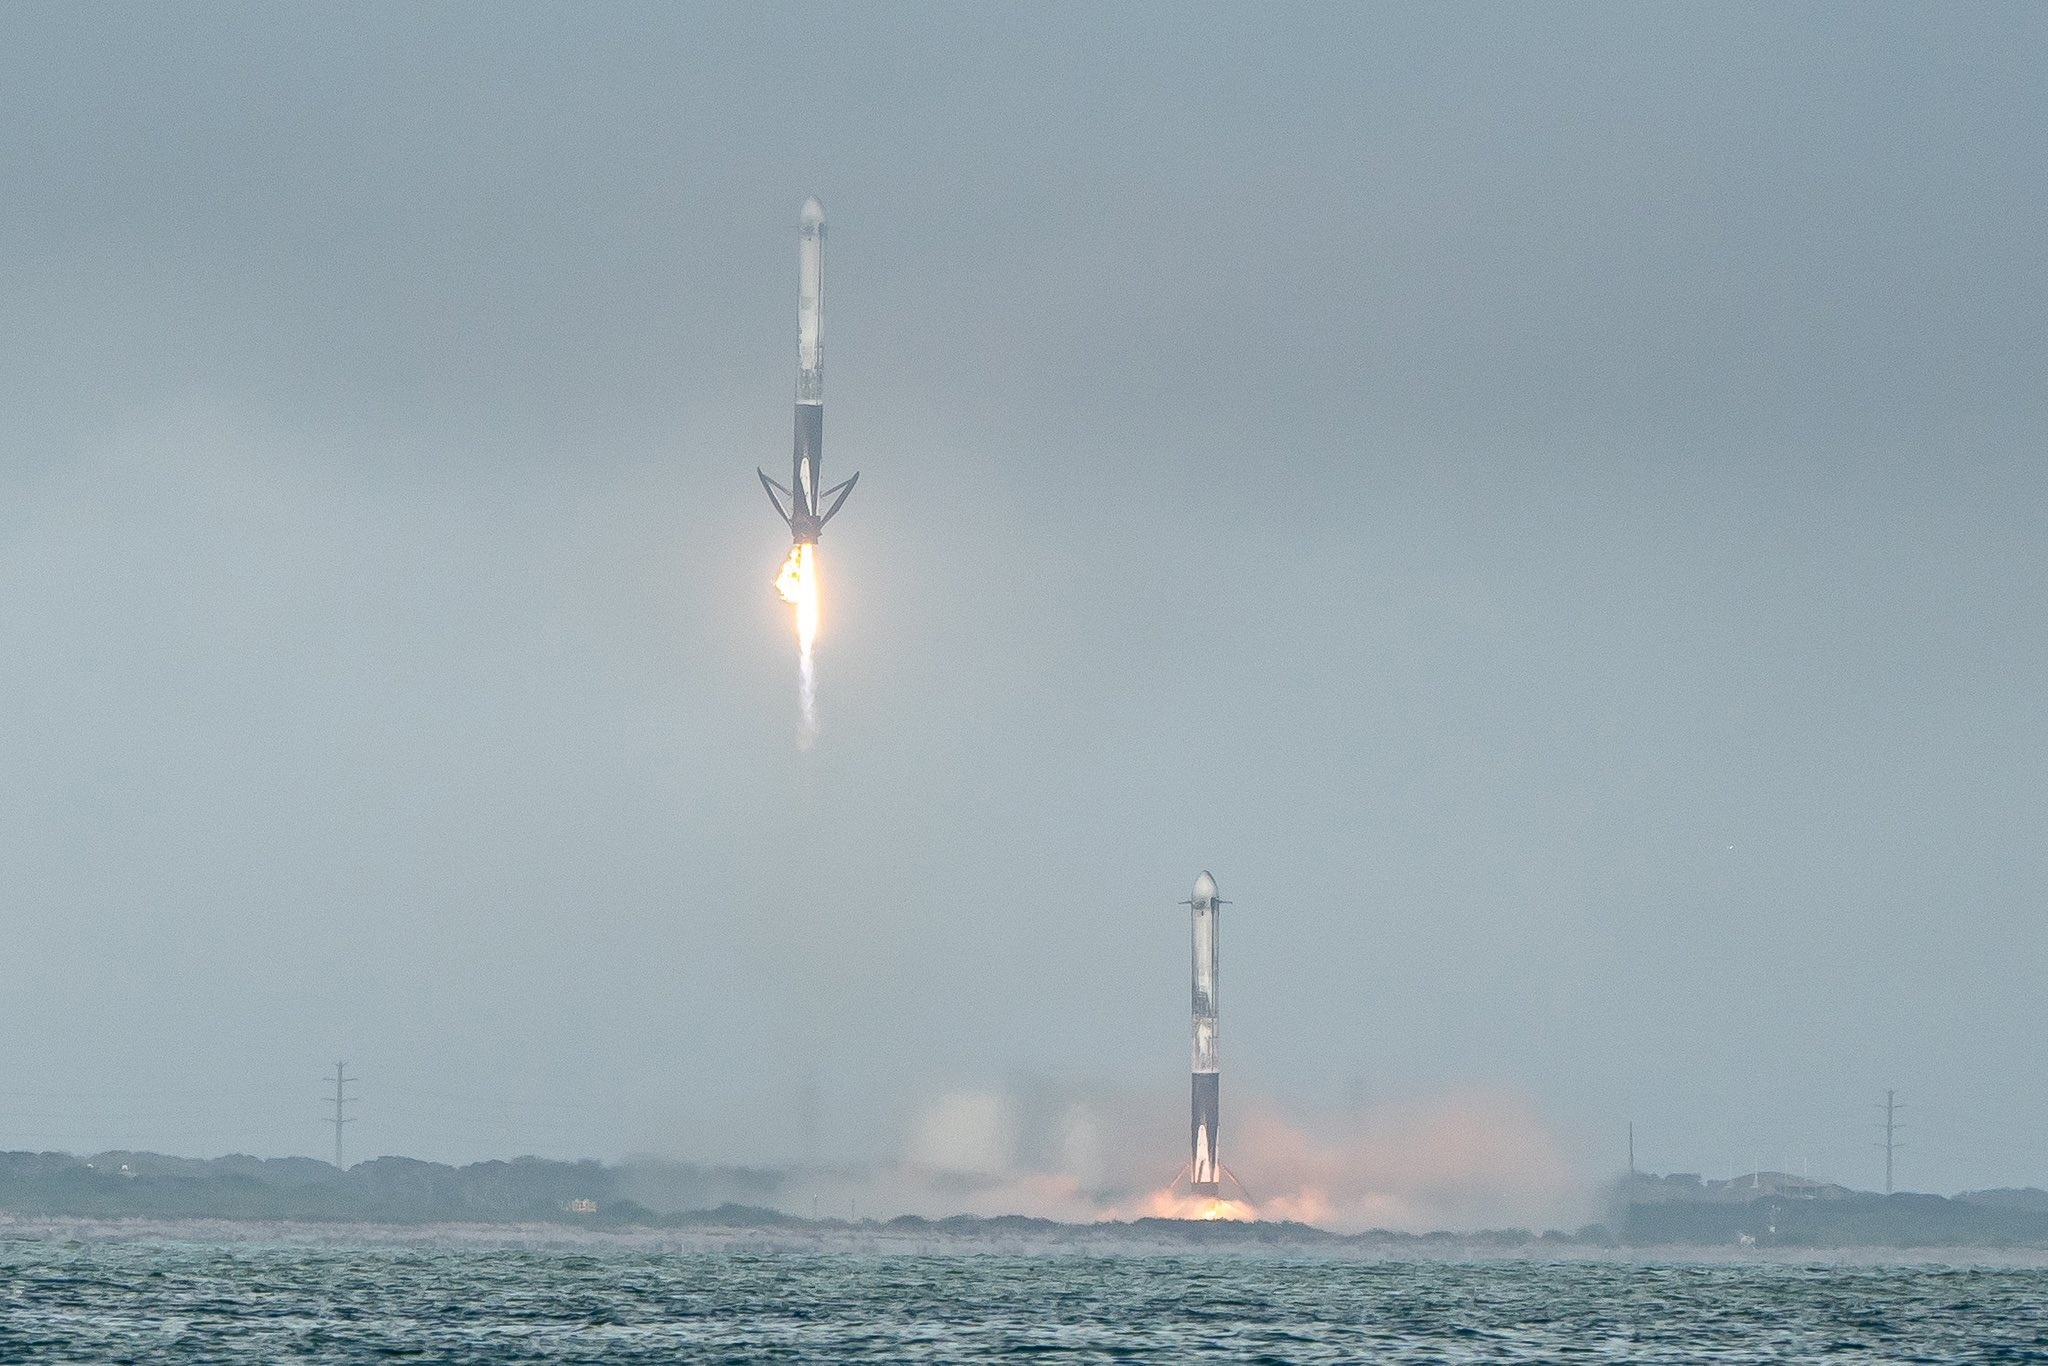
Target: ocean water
{"points": [[159, 1301]]}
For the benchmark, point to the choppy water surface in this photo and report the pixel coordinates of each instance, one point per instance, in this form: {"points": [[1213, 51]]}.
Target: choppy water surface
{"points": [[180, 1302]]}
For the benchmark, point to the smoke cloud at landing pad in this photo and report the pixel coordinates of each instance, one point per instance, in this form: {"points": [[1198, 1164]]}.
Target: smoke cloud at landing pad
{"points": [[1458, 1161], [1461, 1161]]}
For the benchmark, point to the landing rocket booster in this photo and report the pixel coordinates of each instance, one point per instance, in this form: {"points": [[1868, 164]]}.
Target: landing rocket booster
{"points": [[1205, 1169], [799, 504]]}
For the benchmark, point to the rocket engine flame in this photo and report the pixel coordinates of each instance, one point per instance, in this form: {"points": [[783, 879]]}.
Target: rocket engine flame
{"points": [[798, 586], [1169, 1203]]}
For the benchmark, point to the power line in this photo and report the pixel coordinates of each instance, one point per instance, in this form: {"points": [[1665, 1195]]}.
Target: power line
{"points": [[417, 1118], [511, 1102]]}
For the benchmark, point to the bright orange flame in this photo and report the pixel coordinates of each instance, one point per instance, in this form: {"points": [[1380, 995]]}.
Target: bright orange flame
{"points": [[798, 585], [1171, 1204]]}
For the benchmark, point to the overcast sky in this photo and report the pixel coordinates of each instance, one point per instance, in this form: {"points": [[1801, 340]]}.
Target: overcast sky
{"points": [[1546, 502]]}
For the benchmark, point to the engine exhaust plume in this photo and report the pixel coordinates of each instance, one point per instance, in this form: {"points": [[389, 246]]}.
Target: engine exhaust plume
{"points": [[798, 585], [1172, 1203]]}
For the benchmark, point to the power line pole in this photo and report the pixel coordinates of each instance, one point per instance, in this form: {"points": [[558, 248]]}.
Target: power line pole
{"points": [[1891, 1127], [341, 1098]]}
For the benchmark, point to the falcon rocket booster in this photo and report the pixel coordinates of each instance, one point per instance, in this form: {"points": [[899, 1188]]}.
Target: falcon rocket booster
{"points": [[1205, 1169], [799, 505]]}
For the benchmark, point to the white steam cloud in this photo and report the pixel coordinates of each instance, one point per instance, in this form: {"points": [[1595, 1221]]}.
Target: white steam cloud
{"points": [[1459, 1161]]}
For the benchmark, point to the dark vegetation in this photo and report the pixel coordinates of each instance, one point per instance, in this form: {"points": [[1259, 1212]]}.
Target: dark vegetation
{"points": [[652, 1194], [1855, 1219], [385, 1190]]}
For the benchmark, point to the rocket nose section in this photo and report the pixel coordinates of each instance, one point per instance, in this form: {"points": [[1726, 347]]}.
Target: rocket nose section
{"points": [[1205, 887], [814, 212]]}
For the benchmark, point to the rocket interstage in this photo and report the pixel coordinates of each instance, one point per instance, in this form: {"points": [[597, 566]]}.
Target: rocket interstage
{"points": [[1205, 1165]]}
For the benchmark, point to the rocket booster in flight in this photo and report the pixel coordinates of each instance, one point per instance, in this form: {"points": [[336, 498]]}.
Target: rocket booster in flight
{"points": [[1205, 1170], [799, 504]]}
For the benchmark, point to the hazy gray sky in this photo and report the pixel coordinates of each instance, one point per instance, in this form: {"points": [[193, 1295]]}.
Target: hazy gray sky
{"points": [[1545, 501]]}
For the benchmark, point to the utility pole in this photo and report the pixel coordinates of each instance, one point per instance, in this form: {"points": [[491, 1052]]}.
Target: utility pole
{"points": [[341, 1098], [1631, 1150], [1891, 1127]]}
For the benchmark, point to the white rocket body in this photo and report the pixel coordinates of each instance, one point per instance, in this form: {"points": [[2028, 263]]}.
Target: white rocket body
{"points": [[806, 505], [1205, 1170], [810, 304]]}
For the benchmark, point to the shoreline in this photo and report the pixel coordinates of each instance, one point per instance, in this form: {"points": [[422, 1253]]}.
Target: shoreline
{"points": [[881, 1240]]}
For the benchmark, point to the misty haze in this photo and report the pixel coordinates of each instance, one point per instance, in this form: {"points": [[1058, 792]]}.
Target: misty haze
{"points": [[1547, 503]]}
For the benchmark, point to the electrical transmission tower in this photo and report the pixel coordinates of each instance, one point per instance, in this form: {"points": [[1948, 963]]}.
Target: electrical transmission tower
{"points": [[1891, 1127], [341, 1098]]}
